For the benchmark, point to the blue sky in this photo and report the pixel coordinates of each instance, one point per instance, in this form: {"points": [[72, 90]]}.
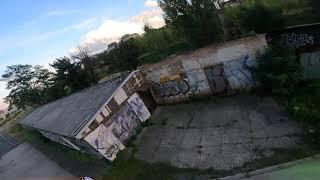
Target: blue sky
{"points": [[38, 31]]}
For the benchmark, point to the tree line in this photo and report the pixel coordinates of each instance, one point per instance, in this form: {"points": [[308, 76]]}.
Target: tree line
{"points": [[190, 24]]}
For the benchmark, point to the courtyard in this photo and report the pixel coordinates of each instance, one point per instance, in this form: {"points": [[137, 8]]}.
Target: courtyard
{"points": [[218, 133]]}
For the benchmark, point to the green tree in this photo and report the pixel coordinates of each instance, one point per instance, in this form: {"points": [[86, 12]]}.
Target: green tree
{"points": [[197, 20], [68, 77], [87, 63], [122, 57], [315, 6], [29, 85], [257, 16]]}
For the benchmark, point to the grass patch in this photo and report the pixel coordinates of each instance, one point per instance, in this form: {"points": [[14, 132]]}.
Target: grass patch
{"points": [[281, 156], [124, 168]]}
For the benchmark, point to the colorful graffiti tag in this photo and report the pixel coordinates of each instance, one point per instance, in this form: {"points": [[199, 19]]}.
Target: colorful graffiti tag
{"points": [[139, 107], [170, 88], [237, 72]]}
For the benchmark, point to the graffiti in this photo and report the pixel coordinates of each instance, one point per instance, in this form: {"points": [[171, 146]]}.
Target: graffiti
{"points": [[238, 74], [139, 107], [170, 88], [124, 123], [105, 142], [297, 40]]}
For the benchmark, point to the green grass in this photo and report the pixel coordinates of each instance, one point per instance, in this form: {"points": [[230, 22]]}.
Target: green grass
{"points": [[128, 167]]}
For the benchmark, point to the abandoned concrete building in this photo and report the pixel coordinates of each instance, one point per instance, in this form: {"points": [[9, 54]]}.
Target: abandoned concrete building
{"points": [[98, 120], [212, 70]]}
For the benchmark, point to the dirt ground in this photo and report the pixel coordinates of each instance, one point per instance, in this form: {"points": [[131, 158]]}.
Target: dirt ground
{"points": [[222, 133]]}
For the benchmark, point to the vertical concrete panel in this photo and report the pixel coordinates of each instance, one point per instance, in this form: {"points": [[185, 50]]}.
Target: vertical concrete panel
{"points": [[105, 142], [123, 123], [120, 96], [237, 73], [139, 107]]}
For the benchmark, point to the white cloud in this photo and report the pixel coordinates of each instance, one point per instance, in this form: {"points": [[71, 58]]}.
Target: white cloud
{"points": [[151, 17], [112, 30], [151, 3], [108, 32]]}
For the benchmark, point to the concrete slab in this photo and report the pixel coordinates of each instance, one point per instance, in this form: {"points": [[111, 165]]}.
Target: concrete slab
{"points": [[25, 162], [222, 134]]}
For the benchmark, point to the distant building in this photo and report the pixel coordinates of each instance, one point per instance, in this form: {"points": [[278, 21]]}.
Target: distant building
{"points": [[97, 120]]}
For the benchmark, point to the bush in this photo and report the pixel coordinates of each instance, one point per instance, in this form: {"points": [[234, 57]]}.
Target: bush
{"points": [[305, 102], [261, 18], [197, 20], [278, 71]]}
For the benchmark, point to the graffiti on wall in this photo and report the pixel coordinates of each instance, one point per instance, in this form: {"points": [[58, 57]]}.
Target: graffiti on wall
{"points": [[170, 87], [237, 72], [139, 107], [294, 40], [124, 123], [105, 142]]}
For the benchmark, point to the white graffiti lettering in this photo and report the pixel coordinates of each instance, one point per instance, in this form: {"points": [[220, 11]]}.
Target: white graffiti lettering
{"points": [[297, 40], [170, 88]]}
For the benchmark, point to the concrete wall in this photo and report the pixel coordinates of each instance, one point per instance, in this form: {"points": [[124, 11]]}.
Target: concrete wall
{"points": [[117, 119], [206, 71], [111, 135]]}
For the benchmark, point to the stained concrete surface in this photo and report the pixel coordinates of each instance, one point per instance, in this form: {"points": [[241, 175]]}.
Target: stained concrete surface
{"points": [[7, 143], [25, 162], [223, 133]]}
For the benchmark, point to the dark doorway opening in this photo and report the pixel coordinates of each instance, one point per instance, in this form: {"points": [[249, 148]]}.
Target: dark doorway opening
{"points": [[217, 79], [148, 100]]}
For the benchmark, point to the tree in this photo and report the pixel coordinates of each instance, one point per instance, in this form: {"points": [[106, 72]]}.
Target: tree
{"points": [[196, 19], [87, 62], [28, 85], [68, 77], [260, 18], [122, 57], [315, 6]]}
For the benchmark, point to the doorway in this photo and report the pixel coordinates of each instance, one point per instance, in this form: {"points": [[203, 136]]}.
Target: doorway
{"points": [[217, 79]]}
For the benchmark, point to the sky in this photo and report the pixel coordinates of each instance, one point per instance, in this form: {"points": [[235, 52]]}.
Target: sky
{"points": [[38, 31]]}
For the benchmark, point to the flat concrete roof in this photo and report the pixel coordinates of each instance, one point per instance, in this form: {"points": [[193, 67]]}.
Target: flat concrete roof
{"points": [[68, 115]]}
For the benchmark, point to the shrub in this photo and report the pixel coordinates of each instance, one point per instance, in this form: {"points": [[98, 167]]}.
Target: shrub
{"points": [[278, 71], [261, 18]]}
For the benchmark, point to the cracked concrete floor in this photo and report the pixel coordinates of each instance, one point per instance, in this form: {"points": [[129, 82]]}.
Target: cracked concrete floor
{"points": [[222, 134]]}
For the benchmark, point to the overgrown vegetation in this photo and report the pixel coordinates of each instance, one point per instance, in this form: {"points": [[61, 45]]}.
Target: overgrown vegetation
{"points": [[279, 73]]}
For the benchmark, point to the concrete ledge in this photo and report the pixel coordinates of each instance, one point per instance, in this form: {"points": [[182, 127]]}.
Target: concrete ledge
{"points": [[268, 169]]}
